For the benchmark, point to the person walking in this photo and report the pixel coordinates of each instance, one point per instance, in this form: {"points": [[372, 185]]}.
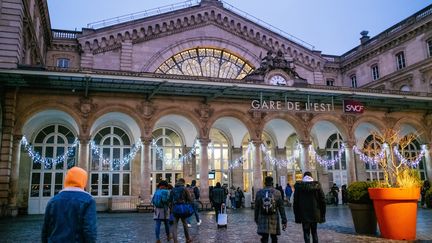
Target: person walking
{"points": [[161, 212], [195, 193], [335, 192], [179, 198], [232, 192], [218, 198], [268, 208], [70, 216], [344, 194], [239, 195], [288, 193], [309, 206], [425, 187]]}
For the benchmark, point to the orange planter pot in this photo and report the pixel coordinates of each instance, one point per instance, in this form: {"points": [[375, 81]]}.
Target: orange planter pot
{"points": [[396, 211]]}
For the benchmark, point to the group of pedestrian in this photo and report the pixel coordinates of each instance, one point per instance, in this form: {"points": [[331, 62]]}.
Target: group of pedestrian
{"points": [[71, 214]]}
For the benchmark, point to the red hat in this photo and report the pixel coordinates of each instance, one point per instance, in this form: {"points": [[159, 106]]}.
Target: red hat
{"points": [[76, 177]]}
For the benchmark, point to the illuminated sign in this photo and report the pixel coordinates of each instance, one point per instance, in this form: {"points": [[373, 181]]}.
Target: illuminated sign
{"points": [[352, 106]]}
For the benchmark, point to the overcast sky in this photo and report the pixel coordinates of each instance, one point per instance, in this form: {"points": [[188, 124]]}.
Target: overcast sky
{"points": [[331, 26]]}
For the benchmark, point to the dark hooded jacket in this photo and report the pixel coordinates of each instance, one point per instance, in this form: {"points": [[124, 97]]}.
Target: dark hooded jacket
{"points": [[309, 202]]}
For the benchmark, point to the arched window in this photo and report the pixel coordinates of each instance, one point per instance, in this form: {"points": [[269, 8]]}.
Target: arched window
{"points": [[165, 156], [46, 179], [371, 148], [110, 174], [207, 62], [218, 157], [338, 171]]}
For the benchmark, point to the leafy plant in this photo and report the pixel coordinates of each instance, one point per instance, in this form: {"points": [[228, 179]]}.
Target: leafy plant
{"points": [[358, 192]]}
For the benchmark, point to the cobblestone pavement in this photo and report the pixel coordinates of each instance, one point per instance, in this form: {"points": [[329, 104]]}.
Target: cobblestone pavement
{"points": [[139, 227]]}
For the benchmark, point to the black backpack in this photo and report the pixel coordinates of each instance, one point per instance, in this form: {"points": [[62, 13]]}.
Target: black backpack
{"points": [[268, 203]]}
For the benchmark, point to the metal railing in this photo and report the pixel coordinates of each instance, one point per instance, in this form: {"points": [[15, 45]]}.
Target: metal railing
{"points": [[142, 14]]}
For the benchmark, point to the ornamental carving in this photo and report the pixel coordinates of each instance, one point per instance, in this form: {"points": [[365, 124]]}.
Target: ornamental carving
{"points": [[146, 109], [349, 120], [85, 106], [204, 112], [390, 122]]}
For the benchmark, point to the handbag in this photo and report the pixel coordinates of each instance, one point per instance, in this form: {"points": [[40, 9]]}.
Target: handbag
{"points": [[183, 210]]}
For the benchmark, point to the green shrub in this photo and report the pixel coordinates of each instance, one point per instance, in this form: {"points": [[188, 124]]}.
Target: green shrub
{"points": [[358, 192]]}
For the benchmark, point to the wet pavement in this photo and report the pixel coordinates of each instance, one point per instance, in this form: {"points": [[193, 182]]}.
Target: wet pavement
{"points": [[139, 227]]}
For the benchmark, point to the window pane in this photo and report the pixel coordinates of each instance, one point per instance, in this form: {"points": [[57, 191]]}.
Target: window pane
{"points": [[47, 185], [35, 185]]}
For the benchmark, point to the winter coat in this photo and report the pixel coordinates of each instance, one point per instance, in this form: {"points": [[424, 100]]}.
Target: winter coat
{"points": [[218, 195], [70, 216], [269, 224], [309, 202]]}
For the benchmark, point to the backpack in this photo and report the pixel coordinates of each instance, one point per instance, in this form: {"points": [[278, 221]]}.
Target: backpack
{"points": [[181, 209], [268, 203], [160, 198]]}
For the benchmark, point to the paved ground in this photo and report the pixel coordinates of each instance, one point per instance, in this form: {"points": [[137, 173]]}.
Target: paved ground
{"points": [[139, 227]]}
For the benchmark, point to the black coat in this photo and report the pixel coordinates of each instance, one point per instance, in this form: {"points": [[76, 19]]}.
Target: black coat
{"points": [[309, 202]]}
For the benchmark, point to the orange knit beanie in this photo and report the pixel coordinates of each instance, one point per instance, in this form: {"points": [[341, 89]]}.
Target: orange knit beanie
{"points": [[76, 177]]}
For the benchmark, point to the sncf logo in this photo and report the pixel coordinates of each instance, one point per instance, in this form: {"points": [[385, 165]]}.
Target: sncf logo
{"points": [[351, 106]]}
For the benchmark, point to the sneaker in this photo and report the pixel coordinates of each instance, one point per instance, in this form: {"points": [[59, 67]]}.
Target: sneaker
{"points": [[189, 225], [199, 222]]}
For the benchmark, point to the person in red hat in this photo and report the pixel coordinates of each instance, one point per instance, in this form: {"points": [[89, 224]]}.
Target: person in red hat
{"points": [[70, 216]]}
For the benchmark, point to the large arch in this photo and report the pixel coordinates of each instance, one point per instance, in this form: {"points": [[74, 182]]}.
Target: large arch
{"points": [[157, 59], [182, 125], [119, 119]]}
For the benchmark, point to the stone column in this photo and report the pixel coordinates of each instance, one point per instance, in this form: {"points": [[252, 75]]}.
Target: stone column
{"points": [[282, 170], [350, 161], [204, 170], [304, 156], [145, 170], [83, 154], [14, 177], [428, 161], [257, 168], [237, 172]]}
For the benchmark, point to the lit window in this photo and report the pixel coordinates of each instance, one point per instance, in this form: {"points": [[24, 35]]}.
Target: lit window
{"points": [[353, 81], [400, 60], [63, 63], [429, 45], [330, 82], [206, 62], [375, 72]]}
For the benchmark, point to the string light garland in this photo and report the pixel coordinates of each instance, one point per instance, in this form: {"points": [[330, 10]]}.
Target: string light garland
{"points": [[413, 163], [325, 162], [240, 161], [289, 162], [48, 162], [371, 160], [116, 163]]}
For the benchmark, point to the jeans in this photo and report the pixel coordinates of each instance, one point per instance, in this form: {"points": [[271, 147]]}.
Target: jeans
{"points": [[195, 206], [265, 238], [217, 208], [158, 226], [185, 229], [310, 228], [233, 204]]}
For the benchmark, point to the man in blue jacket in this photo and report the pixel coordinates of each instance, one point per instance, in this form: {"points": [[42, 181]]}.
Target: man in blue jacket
{"points": [[70, 216]]}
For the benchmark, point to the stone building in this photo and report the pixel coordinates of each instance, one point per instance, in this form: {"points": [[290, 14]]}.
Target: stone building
{"points": [[201, 92]]}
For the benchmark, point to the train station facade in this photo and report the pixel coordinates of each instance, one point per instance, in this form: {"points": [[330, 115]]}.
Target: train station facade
{"points": [[201, 92]]}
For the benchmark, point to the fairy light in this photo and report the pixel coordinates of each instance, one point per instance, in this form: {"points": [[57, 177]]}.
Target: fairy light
{"points": [[48, 162], [326, 162], [116, 163], [413, 163], [289, 162], [371, 160]]}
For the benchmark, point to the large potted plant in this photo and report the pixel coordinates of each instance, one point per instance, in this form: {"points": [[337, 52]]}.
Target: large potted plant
{"points": [[395, 198], [362, 210]]}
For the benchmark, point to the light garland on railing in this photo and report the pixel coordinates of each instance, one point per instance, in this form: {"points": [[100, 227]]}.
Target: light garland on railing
{"points": [[413, 163], [325, 162], [116, 163], [48, 162], [289, 162], [371, 160]]}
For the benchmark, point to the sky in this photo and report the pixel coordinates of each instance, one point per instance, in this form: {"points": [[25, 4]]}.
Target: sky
{"points": [[330, 26]]}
